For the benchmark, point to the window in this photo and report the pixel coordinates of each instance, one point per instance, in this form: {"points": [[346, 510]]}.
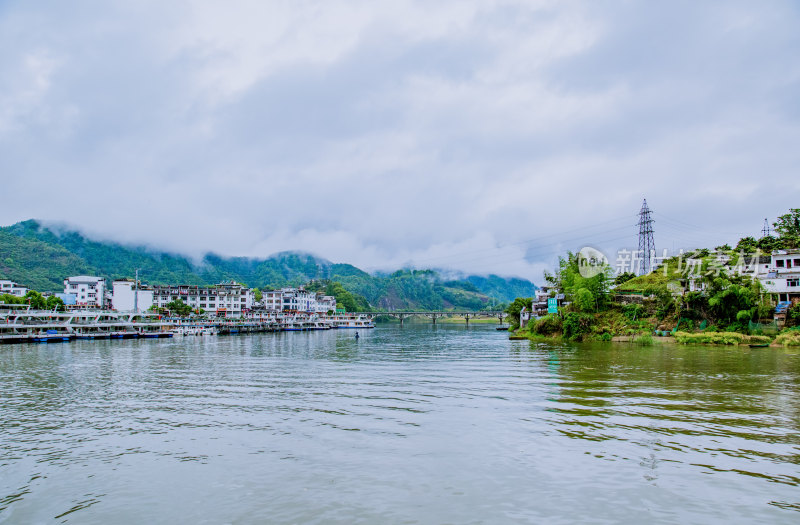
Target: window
{"points": [[797, 262], [779, 263], [791, 283]]}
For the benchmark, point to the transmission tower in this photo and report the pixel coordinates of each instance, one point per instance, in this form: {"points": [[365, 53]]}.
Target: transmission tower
{"points": [[765, 230], [647, 246]]}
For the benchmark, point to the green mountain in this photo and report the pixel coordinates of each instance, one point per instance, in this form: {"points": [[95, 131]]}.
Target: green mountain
{"points": [[40, 257]]}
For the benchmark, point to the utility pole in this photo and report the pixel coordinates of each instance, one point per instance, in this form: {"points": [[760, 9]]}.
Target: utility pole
{"points": [[647, 246], [136, 293], [765, 230]]}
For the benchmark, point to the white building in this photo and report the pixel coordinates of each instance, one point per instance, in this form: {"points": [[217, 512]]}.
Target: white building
{"points": [[12, 288], [89, 291], [225, 299], [298, 300], [783, 278], [127, 298]]}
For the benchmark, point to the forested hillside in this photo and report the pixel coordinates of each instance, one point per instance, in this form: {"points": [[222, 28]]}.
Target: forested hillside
{"points": [[40, 258]]}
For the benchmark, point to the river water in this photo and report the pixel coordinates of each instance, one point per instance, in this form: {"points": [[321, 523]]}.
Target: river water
{"points": [[414, 424]]}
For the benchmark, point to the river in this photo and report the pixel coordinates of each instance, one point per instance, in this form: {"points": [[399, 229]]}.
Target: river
{"points": [[413, 424]]}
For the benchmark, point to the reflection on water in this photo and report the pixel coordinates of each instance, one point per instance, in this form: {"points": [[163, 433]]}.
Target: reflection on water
{"points": [[415, 424]]}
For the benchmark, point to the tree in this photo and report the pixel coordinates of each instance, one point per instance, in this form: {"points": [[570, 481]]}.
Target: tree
{"points": [[179, 308], [516, 306], [727, 298], [257, 295], [55, 303], [788, 227], [36, 300], [569, 280], [747, 245], [769, 243], [624, 277]]}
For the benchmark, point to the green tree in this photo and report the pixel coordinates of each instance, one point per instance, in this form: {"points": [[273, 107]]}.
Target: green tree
{"points": [[588, 294], [55, 303], [36, 300], [788, 227], [516, 306], [11, 299], [729, 297], [179, 308], [747, 245], [769, 243], [257, 295], [624, 277]]}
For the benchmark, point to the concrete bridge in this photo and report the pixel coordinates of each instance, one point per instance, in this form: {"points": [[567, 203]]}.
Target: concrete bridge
{"points": [[434, 315]]}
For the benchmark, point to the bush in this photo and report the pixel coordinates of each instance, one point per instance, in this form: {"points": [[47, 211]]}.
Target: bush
{"points": [[790, 338], [632, 311], [576, 326], [547, 325], [606, 337], [644, 340], [711, 338], [757, 339]]}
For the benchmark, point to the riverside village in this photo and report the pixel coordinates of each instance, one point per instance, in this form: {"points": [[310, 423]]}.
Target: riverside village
{"points": [[89, 309], [748, 294]]}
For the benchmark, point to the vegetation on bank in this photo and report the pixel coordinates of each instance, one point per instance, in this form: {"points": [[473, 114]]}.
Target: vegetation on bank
{"points": [[728, 309], [36, 301]]}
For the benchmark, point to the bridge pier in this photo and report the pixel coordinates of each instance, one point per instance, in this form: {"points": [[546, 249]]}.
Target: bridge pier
{"points": [[433, 318], [466, 319]]}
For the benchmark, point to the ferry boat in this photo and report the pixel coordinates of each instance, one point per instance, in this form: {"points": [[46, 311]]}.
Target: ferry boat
{"points": [[20, 324], [344, 321]]}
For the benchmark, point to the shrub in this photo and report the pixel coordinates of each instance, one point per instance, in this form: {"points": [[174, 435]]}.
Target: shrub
{"points": [[576, 325], [790, 338], [606, 337], [644, 340], [547, 325], [712, 338], [632, 311], [757, 339]]}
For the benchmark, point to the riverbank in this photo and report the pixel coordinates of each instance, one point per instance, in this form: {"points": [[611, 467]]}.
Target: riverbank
{"points": [[788, 338]]}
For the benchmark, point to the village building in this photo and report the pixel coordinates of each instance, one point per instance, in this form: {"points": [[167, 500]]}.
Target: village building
{"points": [[783, 277], [88, 291], [227, 299], [127, 297], [298, 300], [12, 288]]}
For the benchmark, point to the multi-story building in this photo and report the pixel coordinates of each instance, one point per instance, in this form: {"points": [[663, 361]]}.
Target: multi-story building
{"points": [[89, 291], [783, 277], [298, 300], [126, 297], [225, 299], [12, 288]]}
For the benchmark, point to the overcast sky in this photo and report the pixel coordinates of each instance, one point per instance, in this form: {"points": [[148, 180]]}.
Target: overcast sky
{"points": [[482, 136]]}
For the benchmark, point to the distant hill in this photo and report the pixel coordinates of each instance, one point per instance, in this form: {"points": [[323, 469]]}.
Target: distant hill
{"points": [[40, 257]]}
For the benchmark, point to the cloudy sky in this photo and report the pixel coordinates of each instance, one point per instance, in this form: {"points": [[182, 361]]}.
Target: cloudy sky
{"points": [[486, 136]]}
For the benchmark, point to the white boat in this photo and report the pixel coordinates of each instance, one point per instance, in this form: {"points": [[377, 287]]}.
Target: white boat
{"points": [[344, 321]]}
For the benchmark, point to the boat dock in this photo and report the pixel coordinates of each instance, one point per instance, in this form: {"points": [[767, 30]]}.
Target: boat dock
{"points": [[20, 324]]}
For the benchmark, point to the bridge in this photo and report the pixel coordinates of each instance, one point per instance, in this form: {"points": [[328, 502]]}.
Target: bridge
{"points": [[436, 314]]}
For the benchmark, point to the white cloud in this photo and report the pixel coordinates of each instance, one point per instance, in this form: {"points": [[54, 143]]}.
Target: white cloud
{"points": [[455, 134]]}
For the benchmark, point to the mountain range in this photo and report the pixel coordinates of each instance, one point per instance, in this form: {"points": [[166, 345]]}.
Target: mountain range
{"points": [[41, 256]]}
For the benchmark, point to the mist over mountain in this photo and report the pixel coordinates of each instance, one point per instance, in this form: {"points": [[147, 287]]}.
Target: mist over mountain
{"points": [[40, 256]]}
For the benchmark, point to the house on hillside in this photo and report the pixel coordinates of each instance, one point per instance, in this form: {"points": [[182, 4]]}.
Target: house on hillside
{"points": [[783, 276], [12, 288]]}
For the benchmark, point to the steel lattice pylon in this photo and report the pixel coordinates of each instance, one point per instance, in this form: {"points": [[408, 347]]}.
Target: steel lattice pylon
{"points": [[647, 246], [765, 230]]}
